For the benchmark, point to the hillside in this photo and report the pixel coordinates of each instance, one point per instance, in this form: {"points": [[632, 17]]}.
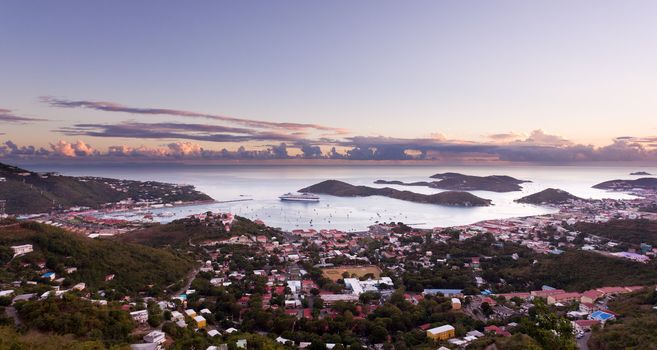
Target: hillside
{"points": [[78, 318], [625, 185], [633, 232], [636, 324], [136, 268], [565, 271], [401, 183], [548, 196], [28, 192], [449, 198], [182, 232], [461, 182]]}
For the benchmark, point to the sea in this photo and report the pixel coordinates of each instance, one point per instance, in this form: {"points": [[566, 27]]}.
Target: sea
{"points": [[252, 191]]}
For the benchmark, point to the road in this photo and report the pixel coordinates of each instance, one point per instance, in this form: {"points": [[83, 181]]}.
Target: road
{"points": [[11, 312], [190, 278], [582, 343]]}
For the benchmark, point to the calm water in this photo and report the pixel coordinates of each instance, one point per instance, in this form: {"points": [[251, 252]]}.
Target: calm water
{"points": [[263, 184]]}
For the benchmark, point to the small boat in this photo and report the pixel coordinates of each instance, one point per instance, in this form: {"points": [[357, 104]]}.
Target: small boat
{"points": [[299, 197]]}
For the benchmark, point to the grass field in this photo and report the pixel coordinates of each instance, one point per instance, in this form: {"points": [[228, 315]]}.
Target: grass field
{"points": [[335, 273]]}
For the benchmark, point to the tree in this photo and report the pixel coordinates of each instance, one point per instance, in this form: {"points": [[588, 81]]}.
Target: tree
{"points": [[378, 334], [6, 254], [486, 309], [548, 329]]}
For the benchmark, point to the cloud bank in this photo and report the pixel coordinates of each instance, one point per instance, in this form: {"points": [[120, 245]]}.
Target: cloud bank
{"points": [[186, 138], [537, 147]]}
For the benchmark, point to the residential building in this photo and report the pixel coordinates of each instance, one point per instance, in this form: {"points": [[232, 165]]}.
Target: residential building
{"points": [[200, 321], [155, 336], [140, 316], [563, 298], [21, 249]]}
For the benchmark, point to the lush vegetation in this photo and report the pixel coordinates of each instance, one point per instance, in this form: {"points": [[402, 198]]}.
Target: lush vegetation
{"points": [[633, 232], [541, 329], [135, 268], [578, 271], [11, 339], [508, 267], [636, 326], [182, 232], [548, 196], [81, 318]]}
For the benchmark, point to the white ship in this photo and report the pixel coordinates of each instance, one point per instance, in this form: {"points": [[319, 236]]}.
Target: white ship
{"points": [[300, 197]]}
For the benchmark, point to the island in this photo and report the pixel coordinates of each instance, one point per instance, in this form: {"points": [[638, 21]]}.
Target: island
{"points": [[640, 173], [549, 196], [461, 182], [401, 183], [27, 192], [448, 198], [646, 183]]}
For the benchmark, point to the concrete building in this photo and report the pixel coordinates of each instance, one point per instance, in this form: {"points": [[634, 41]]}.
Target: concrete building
{"points": [[190, 313], [441, 333], [563, 298], [21, 249], [200, 321], [358, 287], [140, 316], [157, 337]]}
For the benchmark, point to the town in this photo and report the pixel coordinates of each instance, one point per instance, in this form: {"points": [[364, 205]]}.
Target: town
{"points": [[391, 286]]}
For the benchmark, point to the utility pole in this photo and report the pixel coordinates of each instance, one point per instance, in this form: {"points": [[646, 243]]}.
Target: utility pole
{"points": [[3, 203]]}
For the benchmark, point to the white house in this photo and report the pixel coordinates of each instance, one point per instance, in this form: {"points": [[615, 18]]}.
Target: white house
{"points": [[21, 249], [191, 313], [140, 316], [176, 316], [358, 287], [155, 336]]}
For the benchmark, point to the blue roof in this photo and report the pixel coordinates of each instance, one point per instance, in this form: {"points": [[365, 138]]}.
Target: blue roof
{"points": [[601, 316], [47, 274]]}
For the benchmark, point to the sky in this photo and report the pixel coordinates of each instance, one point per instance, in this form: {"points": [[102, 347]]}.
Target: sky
{"points": [[494, 80]]}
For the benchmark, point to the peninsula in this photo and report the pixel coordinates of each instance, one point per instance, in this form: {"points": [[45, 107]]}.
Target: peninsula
{"points": [[28, 192], [549, 196], [648, 183], [448, 198]]}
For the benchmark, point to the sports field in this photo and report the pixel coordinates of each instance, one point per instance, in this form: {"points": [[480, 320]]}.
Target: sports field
{"points": [[335, 273]]}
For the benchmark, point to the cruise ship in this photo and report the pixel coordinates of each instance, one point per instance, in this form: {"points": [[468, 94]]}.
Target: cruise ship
{"points": [[300, 197]]}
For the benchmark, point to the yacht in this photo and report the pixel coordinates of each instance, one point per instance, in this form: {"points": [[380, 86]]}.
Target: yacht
{"points": [[300, 197]]}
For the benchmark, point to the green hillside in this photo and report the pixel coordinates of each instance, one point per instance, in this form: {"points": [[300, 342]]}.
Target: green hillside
{"points": [[182, 232], [136, 268], [635, 326]]}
